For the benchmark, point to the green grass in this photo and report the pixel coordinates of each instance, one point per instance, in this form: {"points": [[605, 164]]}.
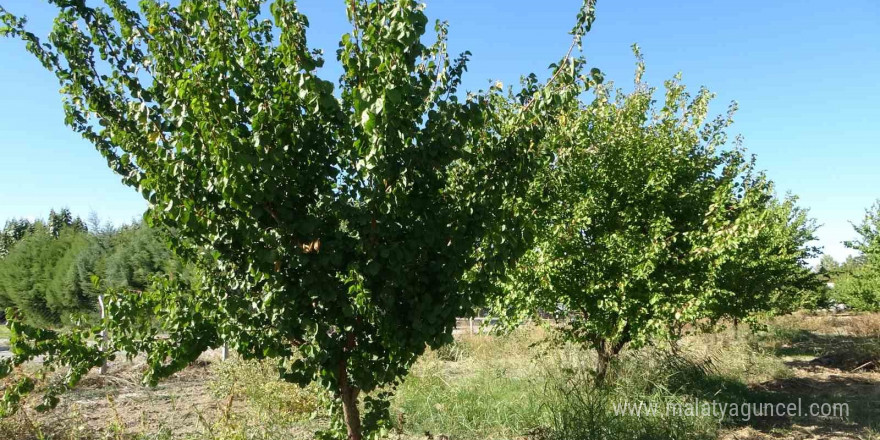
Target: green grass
{"points": [[4, 332], [488, 387], [487, 403], [580, 411]]}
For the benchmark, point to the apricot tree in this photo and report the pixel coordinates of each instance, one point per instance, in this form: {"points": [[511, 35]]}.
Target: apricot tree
{"points": [[633, 219], [338, 227]]}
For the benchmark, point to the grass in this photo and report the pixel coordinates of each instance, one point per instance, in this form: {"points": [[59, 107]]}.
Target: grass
{"points": [[847, 343], [478, 387], [4, 332], [512, 387], [269, 408], [489, 387]]}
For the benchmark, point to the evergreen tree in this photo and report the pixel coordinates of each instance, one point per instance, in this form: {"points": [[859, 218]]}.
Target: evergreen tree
{"points": [[48, 275], [137, 252], [13, 231], [26, 275]]}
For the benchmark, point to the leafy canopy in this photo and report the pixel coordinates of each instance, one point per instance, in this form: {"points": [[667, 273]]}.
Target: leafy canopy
{"points": [[767, 273]]}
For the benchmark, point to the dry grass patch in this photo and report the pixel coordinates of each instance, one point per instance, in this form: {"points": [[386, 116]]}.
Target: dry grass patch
{"points": [[827, 323]]}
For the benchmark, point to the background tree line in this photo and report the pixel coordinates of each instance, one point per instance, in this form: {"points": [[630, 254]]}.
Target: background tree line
{"points": [[855, 282], [53, 269]]}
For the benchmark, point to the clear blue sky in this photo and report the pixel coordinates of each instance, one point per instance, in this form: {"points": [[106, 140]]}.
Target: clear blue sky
{"points": [[803, 71]]}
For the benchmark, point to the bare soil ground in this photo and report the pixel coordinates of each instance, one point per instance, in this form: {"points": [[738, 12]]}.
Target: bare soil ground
{"points": [[116, 405]]}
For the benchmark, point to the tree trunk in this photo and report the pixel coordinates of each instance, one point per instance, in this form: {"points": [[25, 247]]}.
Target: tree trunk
{"points": [[602, 365], [103, 369], [350, 412], [349, 394], [607, 352], [674, 336], [674, 348]]}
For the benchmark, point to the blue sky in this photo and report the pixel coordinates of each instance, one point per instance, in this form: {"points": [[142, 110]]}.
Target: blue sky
{"points": [[803, 72]]}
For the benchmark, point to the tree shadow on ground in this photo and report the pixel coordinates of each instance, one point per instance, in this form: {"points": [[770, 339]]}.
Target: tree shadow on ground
{"points": [[830, 398], [829, 349], [840, 373], [699, 380]]}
